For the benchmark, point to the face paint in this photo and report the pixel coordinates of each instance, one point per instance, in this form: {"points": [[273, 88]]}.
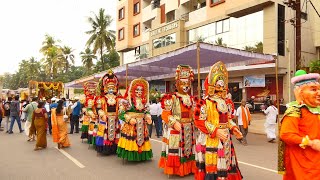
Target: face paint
{"points": [[138, 91]]}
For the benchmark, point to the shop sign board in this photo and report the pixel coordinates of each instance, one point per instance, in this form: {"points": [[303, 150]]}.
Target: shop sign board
{"points": [[254, 81], [165, 28]]}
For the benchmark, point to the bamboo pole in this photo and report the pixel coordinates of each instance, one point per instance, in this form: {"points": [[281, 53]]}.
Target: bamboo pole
{"points": [[198, 64], [126, 76], [277, 86]]}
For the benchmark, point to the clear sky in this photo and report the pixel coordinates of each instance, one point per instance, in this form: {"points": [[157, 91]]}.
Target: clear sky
{"points": [[24, 24]]}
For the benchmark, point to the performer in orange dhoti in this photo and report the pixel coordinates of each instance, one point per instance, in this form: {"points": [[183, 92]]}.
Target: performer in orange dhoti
{"points": [[215, 153], [299, 152], [177, 157]]}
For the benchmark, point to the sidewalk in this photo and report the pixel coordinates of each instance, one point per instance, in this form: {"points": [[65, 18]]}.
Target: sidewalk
{"points": [[257, 123]]}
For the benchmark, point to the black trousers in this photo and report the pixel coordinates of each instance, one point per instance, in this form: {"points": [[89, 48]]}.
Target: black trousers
{"points": [[74, 123], [49, 123]]}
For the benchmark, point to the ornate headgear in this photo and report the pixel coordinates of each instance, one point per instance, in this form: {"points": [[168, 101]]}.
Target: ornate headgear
{"points": [[134, 84], [184, 72], [218, 74], [89, 86], [109, 77], [301, 77]]}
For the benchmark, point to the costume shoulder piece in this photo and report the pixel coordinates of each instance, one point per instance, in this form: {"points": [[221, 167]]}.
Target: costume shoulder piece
{"points": [[293, 109]]}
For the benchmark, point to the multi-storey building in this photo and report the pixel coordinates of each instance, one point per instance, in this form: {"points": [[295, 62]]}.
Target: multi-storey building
{"points": [[147, 28]]}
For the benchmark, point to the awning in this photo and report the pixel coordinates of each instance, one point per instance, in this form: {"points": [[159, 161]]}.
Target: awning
{"points": [[164, 66]]}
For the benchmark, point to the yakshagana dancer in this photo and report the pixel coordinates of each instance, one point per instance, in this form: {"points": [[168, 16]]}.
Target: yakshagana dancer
{"points": [[89, 118], [134, 144], [177, 157], [109, 128], [215, 153]]}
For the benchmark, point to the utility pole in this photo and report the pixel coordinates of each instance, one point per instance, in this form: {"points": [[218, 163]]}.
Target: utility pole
{"points": [[296, 5]]}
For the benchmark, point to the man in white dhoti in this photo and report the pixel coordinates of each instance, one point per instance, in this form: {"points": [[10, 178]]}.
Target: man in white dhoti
{"points": [[271, 121]]}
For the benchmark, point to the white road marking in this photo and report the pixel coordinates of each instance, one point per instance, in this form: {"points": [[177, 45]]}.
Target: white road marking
{"points": [[71, 158], [156, 140], [240, 162], [259, 167]]}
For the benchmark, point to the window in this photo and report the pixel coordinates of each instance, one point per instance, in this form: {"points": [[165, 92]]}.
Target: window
{"points": [[136, 30], [219, 27], [216, 2], [121, 14], [136, 8], [226, 25], [121, 34], [164, 41]]}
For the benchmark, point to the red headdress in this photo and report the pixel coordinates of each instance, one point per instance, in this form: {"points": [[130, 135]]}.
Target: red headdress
{"points": [[109, 77]]}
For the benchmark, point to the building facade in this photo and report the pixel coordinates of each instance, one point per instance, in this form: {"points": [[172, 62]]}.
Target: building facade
{"points": [[147, 28]]}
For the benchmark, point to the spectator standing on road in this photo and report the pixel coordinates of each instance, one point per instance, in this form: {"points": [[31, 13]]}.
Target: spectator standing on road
{"points": [[271, 121], [47, 107], [7, 113], [38, 125], [1, 114], [15, 114], [251, 102], [53, 104], [243, 117], [159, 116], [154, 112], [59, 126], [28, 110], [76, 109]]}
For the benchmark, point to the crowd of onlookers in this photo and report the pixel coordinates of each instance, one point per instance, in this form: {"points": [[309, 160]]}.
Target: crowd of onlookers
{"points": [[12, 109]]}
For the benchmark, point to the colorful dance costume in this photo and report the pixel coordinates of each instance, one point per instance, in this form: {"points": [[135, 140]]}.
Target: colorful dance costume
{"points": [[178, 149], [107, 138], [216, 159], [134, 144], [89, 119], [299, 148]]}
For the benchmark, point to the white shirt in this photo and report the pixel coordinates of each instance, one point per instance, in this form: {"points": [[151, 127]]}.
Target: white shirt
{"points": [[271, 113], [160, 109], [239, 114], [154, 109], [47, 106]]}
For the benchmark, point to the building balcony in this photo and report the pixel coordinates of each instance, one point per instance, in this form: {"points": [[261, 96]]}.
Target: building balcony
{"points": [[196, 16], [148, 13]]}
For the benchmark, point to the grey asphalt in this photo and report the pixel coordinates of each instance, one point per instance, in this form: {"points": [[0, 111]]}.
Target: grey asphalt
{"points": [[18, 161]]}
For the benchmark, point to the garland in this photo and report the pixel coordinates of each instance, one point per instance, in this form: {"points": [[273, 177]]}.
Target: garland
{"points": [[181, 101]]}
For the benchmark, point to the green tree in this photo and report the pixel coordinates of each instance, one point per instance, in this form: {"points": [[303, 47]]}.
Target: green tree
{"points": [[315, 66], [34, 69], [67, 57], [257, 48], [87, 58], [52, 60], [100, 36], [112, 59]]}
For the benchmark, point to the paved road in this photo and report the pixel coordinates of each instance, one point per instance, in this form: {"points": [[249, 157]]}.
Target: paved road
{"points": [[18, 161]]}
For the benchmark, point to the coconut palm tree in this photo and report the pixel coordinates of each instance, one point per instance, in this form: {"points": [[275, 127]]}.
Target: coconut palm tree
{"points": [[67, 57], [34, 68], [87, 58], [100, 36]]}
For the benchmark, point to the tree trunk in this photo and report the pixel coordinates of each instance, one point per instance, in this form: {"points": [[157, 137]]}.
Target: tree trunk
{"points": [[102, 61]]}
